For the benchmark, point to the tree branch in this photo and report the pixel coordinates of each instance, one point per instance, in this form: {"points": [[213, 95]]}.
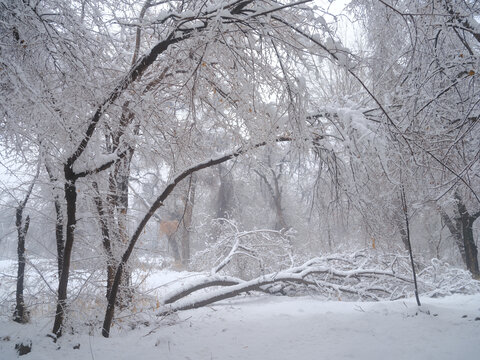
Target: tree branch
{"points": [[155, 206], [140, 66], [294, 275]]}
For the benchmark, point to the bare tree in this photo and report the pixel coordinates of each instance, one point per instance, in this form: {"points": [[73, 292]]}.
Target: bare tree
{"points": [[20, 314]]}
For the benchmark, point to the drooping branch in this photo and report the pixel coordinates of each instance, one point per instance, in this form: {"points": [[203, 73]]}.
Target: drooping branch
{"points": [[408, 142], [229, 257], [178, 34], [178, 178]]}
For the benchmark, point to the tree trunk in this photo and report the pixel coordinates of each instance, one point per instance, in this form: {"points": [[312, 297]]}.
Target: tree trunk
{"points": [[106, 242], [471, 252], [281, 223], [59, 235], [20, 314], [462, 231], [71, 201], [276, 194], [225, 193], [400, 225], [125, 295], [173, 246], [407, 230], [189, 201], [122, 179], [58, 222], [455, 231]]}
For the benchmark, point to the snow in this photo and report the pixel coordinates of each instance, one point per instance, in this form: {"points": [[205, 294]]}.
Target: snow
{"points": [[262, 327], [267, 327], [94, 162]]}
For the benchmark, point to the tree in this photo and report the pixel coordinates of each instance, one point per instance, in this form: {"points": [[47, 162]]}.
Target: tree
{"points": [[271, 178], [186, 220], [461, 229], [424, 85], [191, 34], [20, 314], [221, 79]]}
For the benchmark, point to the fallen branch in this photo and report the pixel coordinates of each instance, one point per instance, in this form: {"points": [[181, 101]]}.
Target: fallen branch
{"points": [[200, 284], [296, 275]]}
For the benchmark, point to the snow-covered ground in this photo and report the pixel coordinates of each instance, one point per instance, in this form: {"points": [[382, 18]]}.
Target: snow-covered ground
{"points": [[255, 327], [268, 327]]}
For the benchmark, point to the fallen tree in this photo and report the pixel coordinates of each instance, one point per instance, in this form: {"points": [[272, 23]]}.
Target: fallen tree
{"points": [[299, 275], [362, 275]]}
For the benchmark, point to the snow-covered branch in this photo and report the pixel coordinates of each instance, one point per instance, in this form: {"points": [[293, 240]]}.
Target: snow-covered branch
{"points": [[358, 275]]}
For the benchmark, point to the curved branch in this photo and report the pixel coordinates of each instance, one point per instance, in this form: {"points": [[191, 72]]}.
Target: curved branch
{"points": [[140, 66], [203, 283], [155, 206]]}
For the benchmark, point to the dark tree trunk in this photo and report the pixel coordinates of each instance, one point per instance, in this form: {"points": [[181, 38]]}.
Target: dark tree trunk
{"points": [[58, 222], [71, 201], [407, 230], [455, 231], [107, 247], [471, 252], [20, 314], [59, 236], [462, 232]]}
